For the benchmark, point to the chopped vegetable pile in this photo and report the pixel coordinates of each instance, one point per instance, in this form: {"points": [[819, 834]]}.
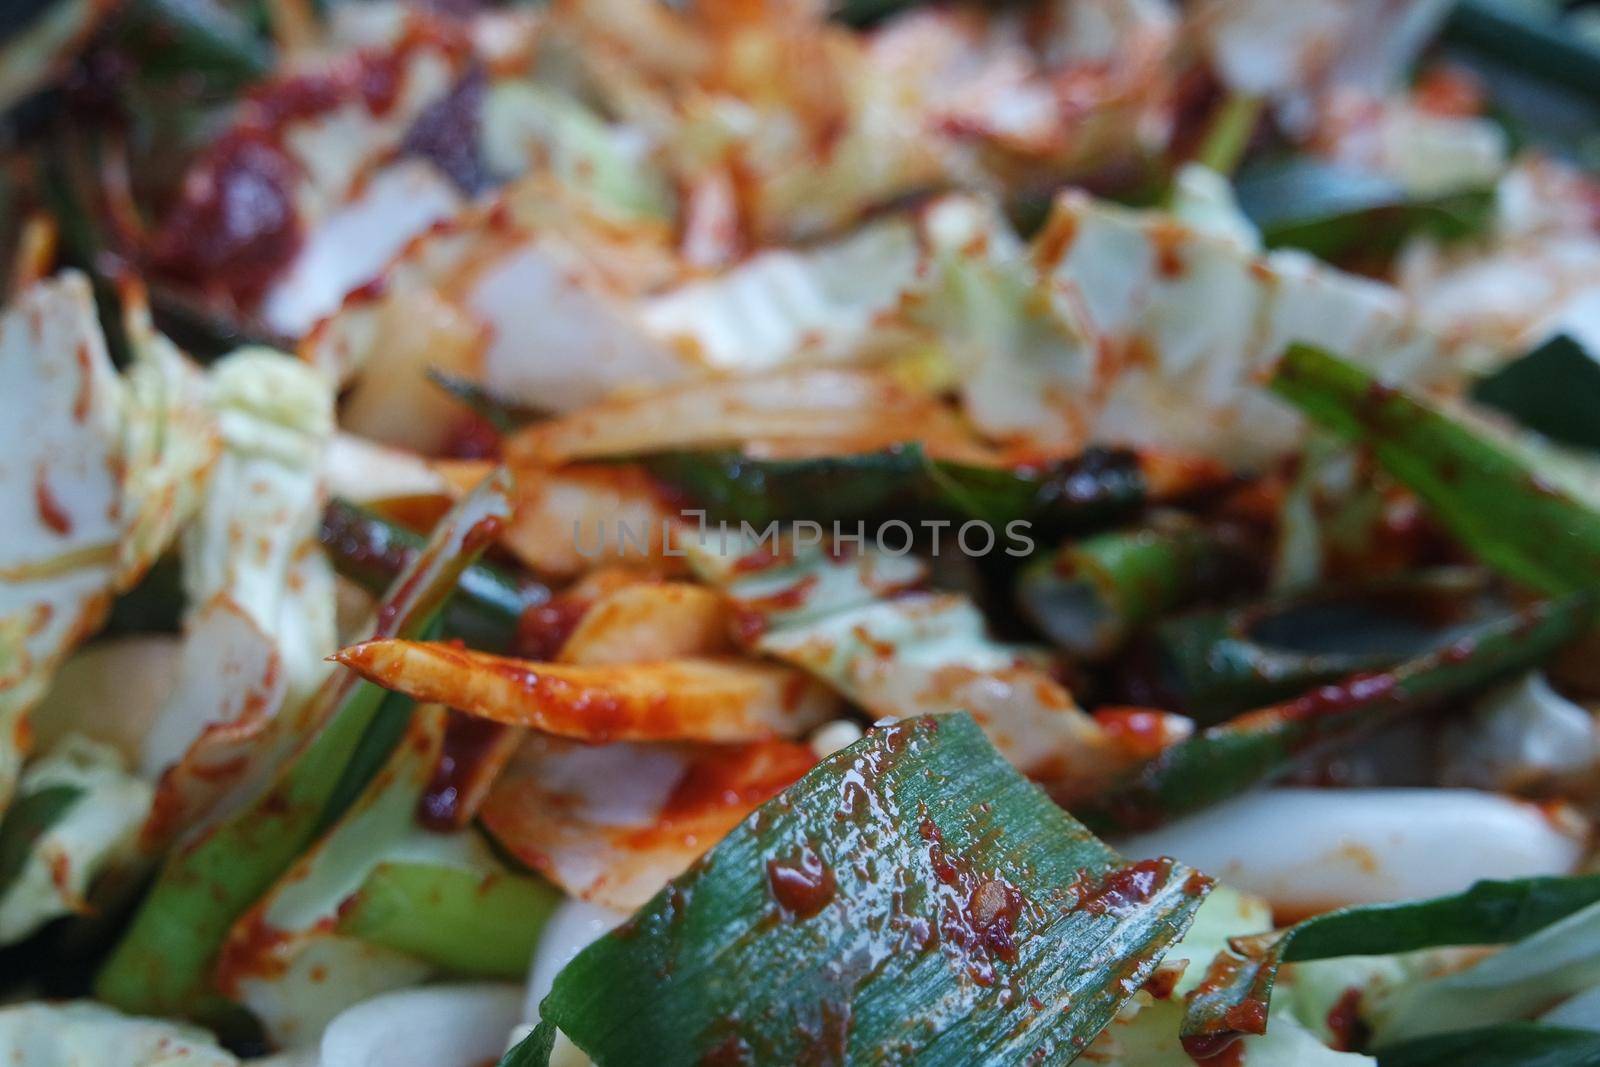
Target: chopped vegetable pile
{"points": [[750, 533]]}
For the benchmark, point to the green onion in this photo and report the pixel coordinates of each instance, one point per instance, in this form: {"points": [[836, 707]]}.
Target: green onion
{"points": [[1089, 596], [164, 962], [1553, 390], [462, 921], [1232, 1000], [1091, 490], [912, 898], [1213, 664], [1226, 760], [371, 551], [1518, 1044], [1503, 505]]}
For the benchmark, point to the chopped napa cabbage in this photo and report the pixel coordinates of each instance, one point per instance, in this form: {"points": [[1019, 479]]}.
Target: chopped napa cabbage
{"points": [[1266, 48], [77, 1033], [60, 530], [355, 241], [527, 127], [1534, 276], [261, 593], [255, 537], [1559, 961], [171, 442], [821, 123], [1162, 329], [1426, 153], [134, 674], [905, 654], [530, 293], [95, 831], [1204, 199], [788, 305], [99, 476]]}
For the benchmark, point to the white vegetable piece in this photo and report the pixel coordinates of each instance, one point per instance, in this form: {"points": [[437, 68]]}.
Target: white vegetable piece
{"points": [[434, 1026], [135, 675], [571, 928], [1309, 850], [60, 527], [1145, 1033], [82, 1033], [1521, 734], [355, 241]]}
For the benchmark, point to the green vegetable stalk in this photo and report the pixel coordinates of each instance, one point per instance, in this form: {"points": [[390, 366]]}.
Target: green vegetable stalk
{"points": [[1517, 1044], [1226, 760], [1089, 596], [1088, 491], [28, 818], [1212, 664], [1330, 209], [164, 962], [372, 551], [463, 921], [1504, 506]]}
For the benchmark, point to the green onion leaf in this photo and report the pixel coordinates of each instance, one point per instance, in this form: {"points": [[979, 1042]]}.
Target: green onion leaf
{"points": [[913, 897], [372, 551], [1503, 505], [1519, 1044], [1232, 1000], [1228, 759], [1553, 390], [1217, 663], [1090, 490]]}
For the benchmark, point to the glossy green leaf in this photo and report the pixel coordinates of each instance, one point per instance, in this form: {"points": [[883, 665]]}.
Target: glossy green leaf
{"points": [[1553, 390], [1233, 998], [163, 964], [1497, 500], [1518, 1044], [1225, 760], [533, 1050], [914, 898]]}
